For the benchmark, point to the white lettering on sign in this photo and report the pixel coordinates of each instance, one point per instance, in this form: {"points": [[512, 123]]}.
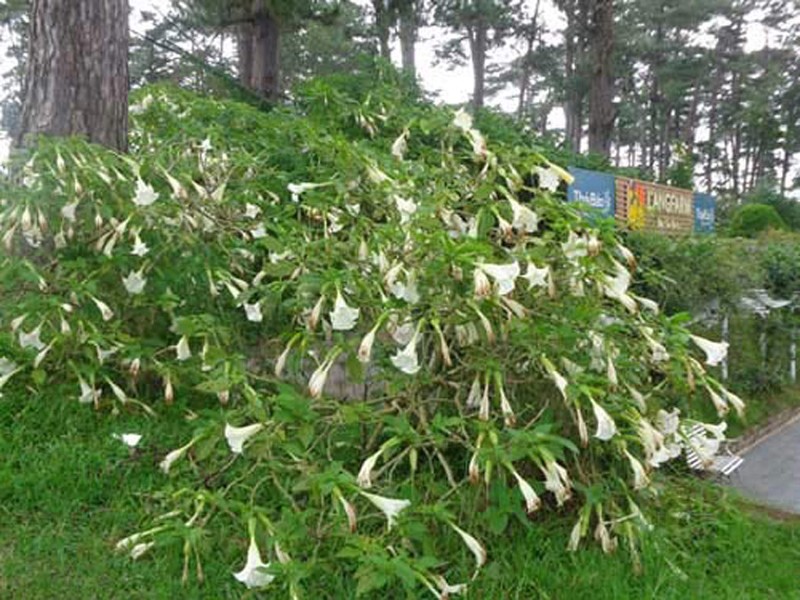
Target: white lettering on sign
{"points": [[593, 199]]}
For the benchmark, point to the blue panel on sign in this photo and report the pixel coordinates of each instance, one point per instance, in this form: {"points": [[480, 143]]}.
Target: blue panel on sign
{"points": [[593, 188], [704, 209]]}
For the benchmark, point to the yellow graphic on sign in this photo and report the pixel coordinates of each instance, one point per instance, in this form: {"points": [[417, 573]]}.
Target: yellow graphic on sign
{"points": [[637, 205]]}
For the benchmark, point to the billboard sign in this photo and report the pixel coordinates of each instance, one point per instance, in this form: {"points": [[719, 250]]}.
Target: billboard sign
{"points": [[704, 213], [594, 189], [654, 207]]}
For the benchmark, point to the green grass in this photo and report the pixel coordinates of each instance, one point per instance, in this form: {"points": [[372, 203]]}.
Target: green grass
{"points": [[68, 492]]}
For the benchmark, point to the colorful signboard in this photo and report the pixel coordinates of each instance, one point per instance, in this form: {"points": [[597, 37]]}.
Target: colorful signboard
{"points": [[655, 207], [644, 205], [704, 213]]}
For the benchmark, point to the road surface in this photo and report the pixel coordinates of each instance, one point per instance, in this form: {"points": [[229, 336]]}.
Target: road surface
{"points": [[770, 473]]}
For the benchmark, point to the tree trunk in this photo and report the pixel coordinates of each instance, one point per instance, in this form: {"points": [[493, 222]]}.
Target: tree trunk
{"points": [[382, 26], [408, 37], [601, 91], [77, 72], [477, 43], [265, 79], [244, 42], [525, 75]]}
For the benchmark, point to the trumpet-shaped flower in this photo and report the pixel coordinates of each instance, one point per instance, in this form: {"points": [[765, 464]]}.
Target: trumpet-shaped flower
{"points": [[558, 378], [557, 481], [667, 422], [350, 511], [477, 549], [296, 189], [524, 218], [575, 247], [253, 312], [365, 347], [88, 393], [462, 120], [735, 401], [364, 478], [253, 575], [390, 507], [134, 283], [715, 351], [532, 502], [606, 428], [406, 208], [483, 287], [131, 440], [139, 247], [32, 338], [505, 406], [616, 287], [548, 178], [141, 549], [640, 478], [719, 402], [536, 277], [237, 436], [182, 350], [400, 145], [316, 382], [503, 275], [313, 318], [602, 535], [343, 317], [406, 359], [145, 194], [175, 455], [104, 309]]}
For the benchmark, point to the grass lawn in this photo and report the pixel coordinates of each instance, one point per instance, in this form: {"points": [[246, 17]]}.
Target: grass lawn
{"points": [[69, 491]]}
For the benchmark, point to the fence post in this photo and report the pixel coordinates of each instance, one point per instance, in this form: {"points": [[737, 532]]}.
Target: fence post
{"points": [[724, 366]]}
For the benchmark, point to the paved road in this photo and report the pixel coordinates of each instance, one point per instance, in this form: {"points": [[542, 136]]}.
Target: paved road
{"points": [[771, 470]]}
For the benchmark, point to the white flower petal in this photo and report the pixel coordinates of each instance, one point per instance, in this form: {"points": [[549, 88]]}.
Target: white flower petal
{"points": [[237, 436], [391, 507], [343, 317], [253, 575]]}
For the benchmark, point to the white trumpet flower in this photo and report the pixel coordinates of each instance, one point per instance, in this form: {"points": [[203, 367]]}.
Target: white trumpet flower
{"points": [[139, 247], [104, 309], [406, 208], [640, 478], [536, 277], [365, 347], [483, 288], [134, 283], [557, 481], [253, 312], [503, 275], [131, 440], [175, 455], [343, 317], [237, 436], [477, 549], [145, 194], [532, 502], [316, 382], [364, 478], [406, 360], [182, 350], [253, 574], [524, 218], [32, 338], [390, 507], [606, 428], [715, 351]]}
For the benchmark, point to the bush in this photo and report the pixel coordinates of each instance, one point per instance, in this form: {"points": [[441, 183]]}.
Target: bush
{"points": [[753, 219], [455, 321]]}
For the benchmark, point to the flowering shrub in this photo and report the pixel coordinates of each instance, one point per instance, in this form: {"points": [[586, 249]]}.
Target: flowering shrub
{"points": [[413, 339]]}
